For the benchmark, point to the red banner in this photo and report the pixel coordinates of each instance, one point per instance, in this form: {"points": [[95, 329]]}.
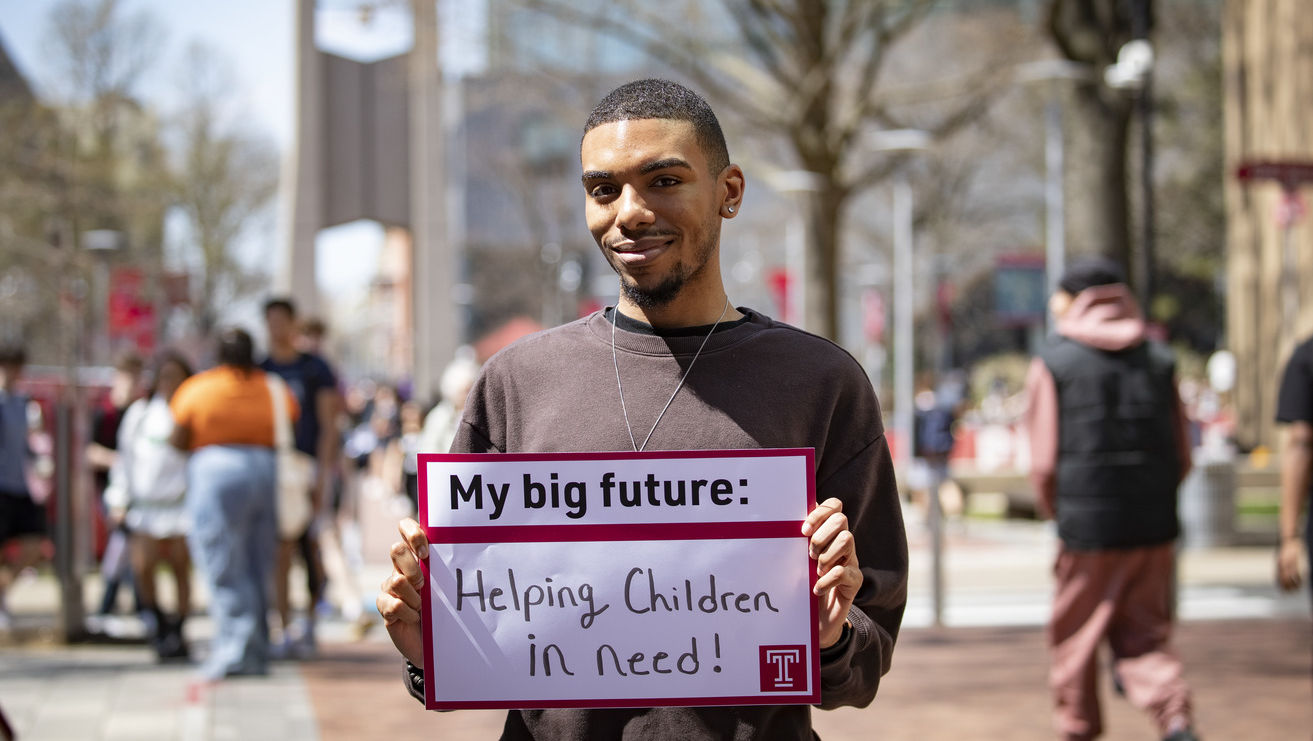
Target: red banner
{"points": [[129, 313]]}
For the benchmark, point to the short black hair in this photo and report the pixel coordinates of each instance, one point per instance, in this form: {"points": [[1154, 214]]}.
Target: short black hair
{"points": [[667, 100], [1088, 272], [13, 354], [280, 302], [236, 349]]}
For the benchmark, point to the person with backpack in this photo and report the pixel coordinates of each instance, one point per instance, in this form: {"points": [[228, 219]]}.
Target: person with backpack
{"points": [[1109, 447]]}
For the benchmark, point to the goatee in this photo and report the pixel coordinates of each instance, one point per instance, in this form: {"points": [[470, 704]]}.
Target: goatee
{"points": [[657, 296]]}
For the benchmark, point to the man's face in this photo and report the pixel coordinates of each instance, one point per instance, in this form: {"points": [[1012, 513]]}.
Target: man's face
{"points": [[281, 325], [653, 206]]}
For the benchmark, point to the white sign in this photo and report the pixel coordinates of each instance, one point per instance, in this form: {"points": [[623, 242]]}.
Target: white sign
{"points": [[619, 580]]}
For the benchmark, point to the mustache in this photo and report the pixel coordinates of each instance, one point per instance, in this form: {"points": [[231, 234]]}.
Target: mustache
{"points": [[626, 237]]}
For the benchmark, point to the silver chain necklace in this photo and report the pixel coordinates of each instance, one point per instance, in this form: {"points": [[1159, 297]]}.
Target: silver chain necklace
{"points": [[625, 410]]}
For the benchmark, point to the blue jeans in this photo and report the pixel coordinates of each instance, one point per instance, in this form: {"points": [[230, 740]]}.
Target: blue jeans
{"points": [[230, 498]]}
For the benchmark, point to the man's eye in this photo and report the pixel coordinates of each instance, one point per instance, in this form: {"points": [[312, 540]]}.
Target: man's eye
{"points": [[665, 181], [602, 191]]}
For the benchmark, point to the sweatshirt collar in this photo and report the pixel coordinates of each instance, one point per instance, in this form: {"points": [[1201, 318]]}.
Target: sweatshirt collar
{"points": [[638, 337], [626, 323]]}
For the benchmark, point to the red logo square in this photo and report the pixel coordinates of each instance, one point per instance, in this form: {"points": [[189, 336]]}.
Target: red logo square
{"points": [[783, 668]]}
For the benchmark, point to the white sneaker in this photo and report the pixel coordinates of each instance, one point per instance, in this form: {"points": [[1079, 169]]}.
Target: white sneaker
{"points": [[123, 627]]}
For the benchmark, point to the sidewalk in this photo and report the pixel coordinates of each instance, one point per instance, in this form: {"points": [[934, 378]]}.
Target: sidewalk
{"points": [[1250, 678], [1247, 653], [1251, 681]]}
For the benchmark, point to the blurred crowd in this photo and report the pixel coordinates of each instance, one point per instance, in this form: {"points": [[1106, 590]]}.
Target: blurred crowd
{"points": [[190, 472]]}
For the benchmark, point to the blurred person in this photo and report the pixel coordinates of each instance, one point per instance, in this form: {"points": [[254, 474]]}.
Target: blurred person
{"points": [[658, 185], [406, 448], [147, 489], [22, 518], [359, 485], [385, 414], [376, 443], [225, 417], [314, 385], [339, 537], [937, 410], [1109, 447], [101, 452], [359, 440], [1295, 409], [442, 421]]}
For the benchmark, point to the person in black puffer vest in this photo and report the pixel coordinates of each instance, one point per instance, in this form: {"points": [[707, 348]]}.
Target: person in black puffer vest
{"points": [[1109, 446]]}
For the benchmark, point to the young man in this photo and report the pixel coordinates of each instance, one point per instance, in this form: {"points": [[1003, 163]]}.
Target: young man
{"points": [[677, 366], [314, 385], [22, 520], [1295, 408], [1109, 447]]}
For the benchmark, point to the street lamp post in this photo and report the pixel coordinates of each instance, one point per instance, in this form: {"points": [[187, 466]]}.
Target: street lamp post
{"points": [[902, 140], [910, 140], [1055, 224]]}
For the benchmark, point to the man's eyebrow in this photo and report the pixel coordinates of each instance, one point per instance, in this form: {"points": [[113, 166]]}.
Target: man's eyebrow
{"points": [[644, 169], [664, 164]]}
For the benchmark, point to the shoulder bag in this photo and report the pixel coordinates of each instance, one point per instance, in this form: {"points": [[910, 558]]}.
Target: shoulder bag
{"points": [[295, 470]]}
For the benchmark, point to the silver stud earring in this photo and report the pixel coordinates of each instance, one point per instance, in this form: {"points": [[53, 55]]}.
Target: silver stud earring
{"points": [[730, 209]]}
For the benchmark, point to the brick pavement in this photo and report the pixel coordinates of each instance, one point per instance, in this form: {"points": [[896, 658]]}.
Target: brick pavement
{"points": [[1251, 672], [1251, 680]]}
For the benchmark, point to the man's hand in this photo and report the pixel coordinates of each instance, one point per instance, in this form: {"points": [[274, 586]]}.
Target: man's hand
{"points": [[399, 602], [1288, 557], [838, 576]]}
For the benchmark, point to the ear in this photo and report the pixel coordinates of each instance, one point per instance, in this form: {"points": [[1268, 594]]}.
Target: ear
{"points": [[732, 185], [1059, 302]]}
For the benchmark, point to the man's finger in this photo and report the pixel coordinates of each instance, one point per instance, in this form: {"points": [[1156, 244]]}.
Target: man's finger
{"points": [[398, 586], [836, 523], [838, 577], [414, 536], [405, 563], [842, 551], [394, 610], [819, 515]]}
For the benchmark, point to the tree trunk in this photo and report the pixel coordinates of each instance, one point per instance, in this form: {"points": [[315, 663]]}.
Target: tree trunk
{"points": [[1097, 206], [823, 278]]}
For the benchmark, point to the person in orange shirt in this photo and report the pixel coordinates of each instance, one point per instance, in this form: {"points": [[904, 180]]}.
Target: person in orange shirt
{"points": [[225, 418]]}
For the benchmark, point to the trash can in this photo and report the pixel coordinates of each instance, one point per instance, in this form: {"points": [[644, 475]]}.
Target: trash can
{"points": [[1207, 505]]}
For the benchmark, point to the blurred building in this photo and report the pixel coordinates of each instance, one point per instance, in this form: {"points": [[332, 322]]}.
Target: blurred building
{"points": [[508, 209], [372, 336], [1267, 54]]}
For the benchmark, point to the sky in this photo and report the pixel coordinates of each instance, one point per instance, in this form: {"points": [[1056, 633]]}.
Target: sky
{"points": [[255, 37]]}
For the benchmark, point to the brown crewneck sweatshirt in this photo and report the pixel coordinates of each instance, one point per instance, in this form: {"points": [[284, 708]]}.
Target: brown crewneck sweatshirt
{"points": [[756, 384]]}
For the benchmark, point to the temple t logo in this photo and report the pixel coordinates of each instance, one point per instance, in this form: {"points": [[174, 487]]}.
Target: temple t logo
{"points": [[782, 669]]}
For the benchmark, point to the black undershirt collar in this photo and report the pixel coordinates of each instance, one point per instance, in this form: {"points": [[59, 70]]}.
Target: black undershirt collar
{"points": [[633, 325]]}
